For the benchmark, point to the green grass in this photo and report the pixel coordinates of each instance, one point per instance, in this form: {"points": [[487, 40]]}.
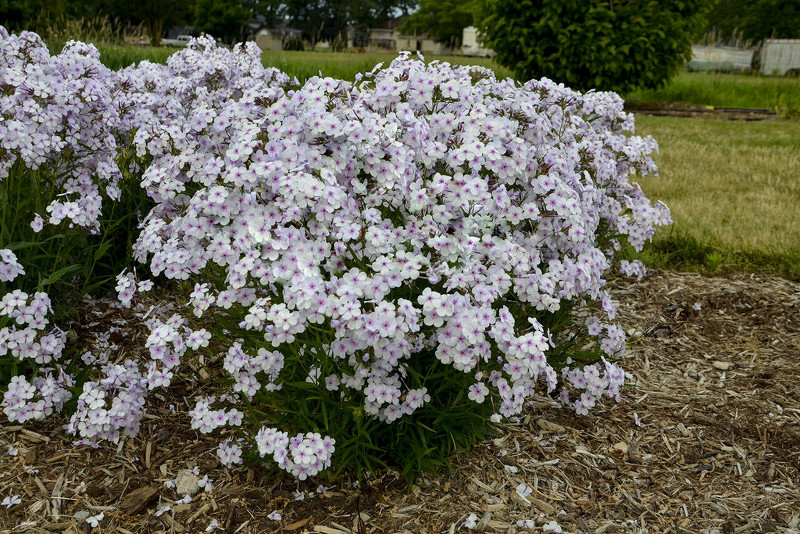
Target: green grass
{"points": [[116, 57], [303, 65], [346, 65], [733, 189], [781, 94]]}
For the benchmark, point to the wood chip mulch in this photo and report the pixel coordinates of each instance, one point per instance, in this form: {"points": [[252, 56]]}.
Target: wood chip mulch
{"points": [[707, 440]]}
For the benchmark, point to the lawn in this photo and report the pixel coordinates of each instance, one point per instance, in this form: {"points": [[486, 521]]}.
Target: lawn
{"points": [[781, 94], [733, 188], [295, 63], [115, 56]]}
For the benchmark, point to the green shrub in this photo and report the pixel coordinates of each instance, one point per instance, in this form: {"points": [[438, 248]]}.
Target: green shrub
{"points": [[597, 44]]}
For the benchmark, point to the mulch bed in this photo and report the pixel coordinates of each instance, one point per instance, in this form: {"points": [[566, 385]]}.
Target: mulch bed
{"points": [[706, 440]]}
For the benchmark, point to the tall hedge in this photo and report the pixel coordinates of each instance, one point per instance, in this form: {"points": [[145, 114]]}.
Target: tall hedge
{"points": [[611, 45]]}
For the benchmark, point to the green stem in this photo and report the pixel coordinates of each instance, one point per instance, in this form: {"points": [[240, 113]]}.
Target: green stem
{"points": [[88, 275]]}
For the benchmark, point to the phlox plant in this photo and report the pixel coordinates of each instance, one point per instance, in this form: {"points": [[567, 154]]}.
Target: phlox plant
{"points": [[374, 272], [71, 197], [201, 76], [383, 269], [42, 165], [66, 200], [68, 211]]}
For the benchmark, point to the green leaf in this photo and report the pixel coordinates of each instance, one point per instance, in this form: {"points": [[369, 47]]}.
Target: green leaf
{"points": [[101, 250], [58, 275]]}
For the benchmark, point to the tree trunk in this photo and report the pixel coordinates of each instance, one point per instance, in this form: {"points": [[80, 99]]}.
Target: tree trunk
{"points": [[155, 27]]}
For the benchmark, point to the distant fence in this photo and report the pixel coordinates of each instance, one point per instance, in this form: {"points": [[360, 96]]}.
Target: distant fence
{"points": [[780, 56], [720, 58], [777, 57]]}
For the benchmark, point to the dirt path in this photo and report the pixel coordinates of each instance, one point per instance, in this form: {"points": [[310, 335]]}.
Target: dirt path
{"points": [[677, 109]]}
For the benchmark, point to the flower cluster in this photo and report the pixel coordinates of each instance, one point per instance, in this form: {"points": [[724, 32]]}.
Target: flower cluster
{"points": [[205, 419], [112, 406], [27, 338], [9, 266], [424, 208], [303, 455], [58, 114], [127, 286], [70, 118], [156, 99], [594, 381], [26, 401], [59, 128], [168, 342]]}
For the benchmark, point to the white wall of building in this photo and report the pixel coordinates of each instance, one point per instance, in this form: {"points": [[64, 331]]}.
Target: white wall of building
{"points": [[470, 44], [779, 56]]}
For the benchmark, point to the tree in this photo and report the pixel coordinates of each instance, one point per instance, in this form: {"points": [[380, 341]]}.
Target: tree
{"points": [[156, 15], [224, 19], [18, 15], [271, 10], [616, 45], [755, 20], [329, 20], [309, 16], [444, 20], [366, 14]]}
